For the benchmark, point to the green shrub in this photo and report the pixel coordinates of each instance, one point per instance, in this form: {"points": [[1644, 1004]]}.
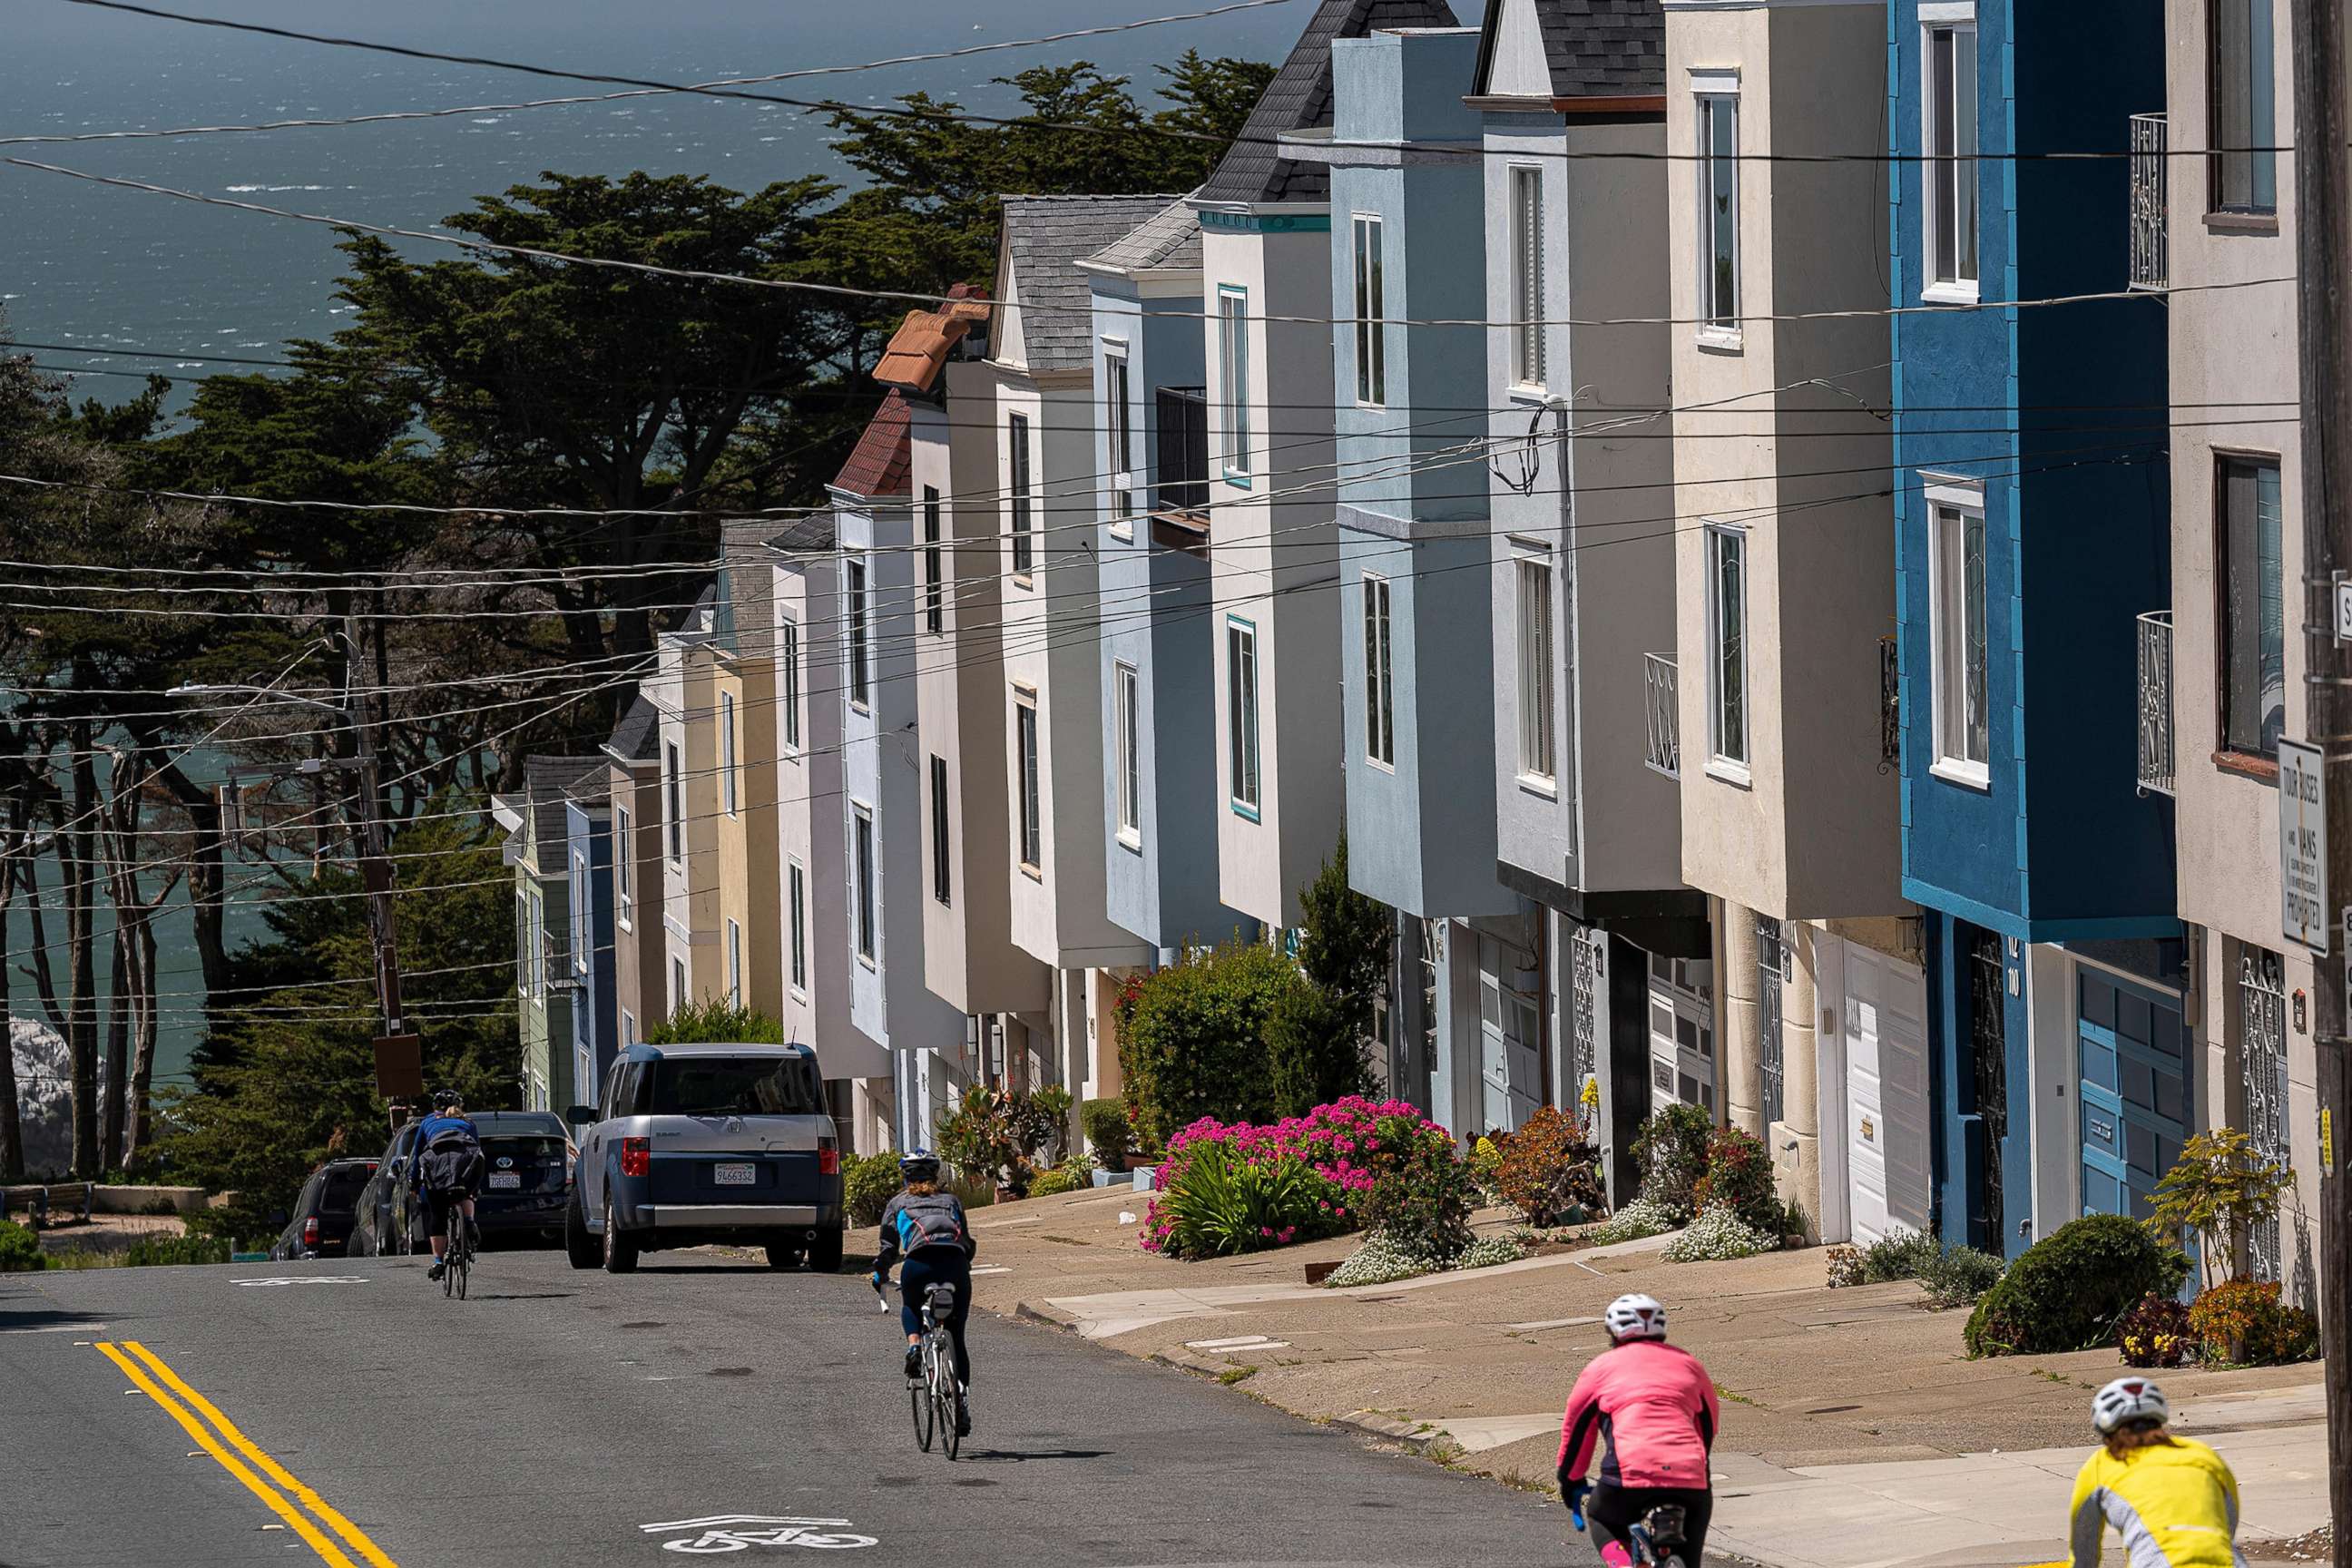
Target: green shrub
{"points": [[997, 1134], [1957, 1275], [1717, 1235], [2243, 1323], [154, 1251], [713, 1021], [868, 1182], [1423, 1192], [1191, 1044], [1222, 1204], [2068, 1290], [2156, 1333], [1549, 1170], [20, 1250], [1072, 1175], [1844, 1267], [1106, 1130], [1901, 1256], [1314, 1050], [1671, 1153], [1740, 1178]]}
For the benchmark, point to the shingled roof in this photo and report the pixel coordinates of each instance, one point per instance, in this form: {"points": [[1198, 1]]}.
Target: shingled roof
{"points": [[1593, 48], [1299, 98], [548, 782], [877, 464], [1045, 238], [811, 535], [637, 737], [1168, 239]]}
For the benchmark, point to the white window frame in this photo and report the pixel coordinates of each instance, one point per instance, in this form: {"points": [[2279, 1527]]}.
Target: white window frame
{"points": [[730, 782], [1728, 753], [678, 997], [1948, 706], [934, 585], [796, 930], [1233, 370], [1118, 430], [788, 650], [1028, 793], [628, 1028], [625, 902], [734, 963], [943, 868], [539, 976], [1127, 697], [1370, 272], [1379, 673], [1534, 581], [865, 912], [859, 610], [1018, 485], [1714, 94], [1959, 17], [1245, 763], [674, 798], [1523, 184], [583, 909]]}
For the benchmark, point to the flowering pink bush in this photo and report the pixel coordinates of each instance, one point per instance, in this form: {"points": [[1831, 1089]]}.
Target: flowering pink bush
{"points": [[1346, 1148]]}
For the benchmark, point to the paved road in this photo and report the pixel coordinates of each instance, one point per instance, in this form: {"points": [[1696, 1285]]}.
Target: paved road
{"points": [[353, 1416]]}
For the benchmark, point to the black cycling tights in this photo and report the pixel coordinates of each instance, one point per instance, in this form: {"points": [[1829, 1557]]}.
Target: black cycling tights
{"points": [[1611, 1512]]}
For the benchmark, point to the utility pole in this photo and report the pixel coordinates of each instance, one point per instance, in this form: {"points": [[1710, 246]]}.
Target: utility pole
{"points": [[399, 1057], [2323, 166]]}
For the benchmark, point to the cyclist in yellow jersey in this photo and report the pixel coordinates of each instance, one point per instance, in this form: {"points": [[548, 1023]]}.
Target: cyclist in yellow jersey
{"points": [[2171, 1498]]}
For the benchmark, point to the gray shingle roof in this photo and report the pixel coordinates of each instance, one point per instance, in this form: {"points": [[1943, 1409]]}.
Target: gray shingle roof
{"points": [[1299, 98], [1594, 48], [1170, 238], [811, 533], [1047, 237], [548, 782], [637, 737]]}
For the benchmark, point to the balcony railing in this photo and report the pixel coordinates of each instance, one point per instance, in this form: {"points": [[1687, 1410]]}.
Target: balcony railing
{"points": [[2156, 757], [2151, 247], [1666, 744], [1182, 451]]}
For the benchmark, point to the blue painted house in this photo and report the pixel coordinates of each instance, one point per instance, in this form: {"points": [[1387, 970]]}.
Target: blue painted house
{"points": [[589, 908], [2031, 516]]}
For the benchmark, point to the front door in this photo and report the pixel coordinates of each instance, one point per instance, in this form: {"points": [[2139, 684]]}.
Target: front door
{"points": [[2137, 1090], [1682, 1032], [1886, 1130]]}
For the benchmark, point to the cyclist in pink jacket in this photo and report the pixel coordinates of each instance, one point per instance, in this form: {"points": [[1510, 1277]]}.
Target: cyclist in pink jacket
{"points": [[1647, 1411]]}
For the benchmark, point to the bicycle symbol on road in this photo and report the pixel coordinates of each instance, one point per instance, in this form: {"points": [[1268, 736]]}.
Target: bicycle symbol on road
{"points": [[301, 1279], [736, 1532]]}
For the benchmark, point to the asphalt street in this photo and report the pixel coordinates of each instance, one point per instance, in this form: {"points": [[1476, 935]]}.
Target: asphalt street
{"points": [[344, 1413]]}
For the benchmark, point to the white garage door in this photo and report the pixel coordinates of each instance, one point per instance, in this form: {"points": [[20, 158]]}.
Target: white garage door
{"points": [[1886, 1130]]}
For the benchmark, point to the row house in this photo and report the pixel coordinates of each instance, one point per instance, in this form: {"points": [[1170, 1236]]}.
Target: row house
{"points": [[559, 843], [633, 786]]}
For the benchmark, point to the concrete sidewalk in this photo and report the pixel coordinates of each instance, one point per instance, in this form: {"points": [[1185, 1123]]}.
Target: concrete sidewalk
{"points": [[1855, 1434]]}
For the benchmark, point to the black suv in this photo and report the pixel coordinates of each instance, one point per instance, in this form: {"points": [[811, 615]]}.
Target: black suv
{"points": [[529, 1156], [326, 1213]]}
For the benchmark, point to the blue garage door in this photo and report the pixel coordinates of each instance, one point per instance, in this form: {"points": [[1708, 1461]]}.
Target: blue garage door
{"points": [[2137, 1093]]}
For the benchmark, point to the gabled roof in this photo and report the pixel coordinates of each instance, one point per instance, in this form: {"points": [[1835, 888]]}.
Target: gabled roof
{"points": [[926, 338], [1169, 239], [1045, 238], [812, 535], [548, 782], [637, 737], [1299, 98], [878, 466], [1593, 48]]}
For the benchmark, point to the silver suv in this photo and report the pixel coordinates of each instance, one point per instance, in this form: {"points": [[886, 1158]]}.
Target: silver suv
{"points": [[707, 1143]]}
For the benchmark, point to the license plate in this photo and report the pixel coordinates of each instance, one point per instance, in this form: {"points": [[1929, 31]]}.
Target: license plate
{"points": [[742, 1175], [505, 1179]]}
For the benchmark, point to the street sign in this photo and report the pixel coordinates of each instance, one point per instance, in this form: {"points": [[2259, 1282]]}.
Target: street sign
{"points": [[399, 1067], [2303, 846], [2344, 606]]}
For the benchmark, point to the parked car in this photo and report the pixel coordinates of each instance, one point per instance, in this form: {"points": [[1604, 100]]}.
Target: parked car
{"points": [[325, 1213], [707, 1143], [528, 1154]]}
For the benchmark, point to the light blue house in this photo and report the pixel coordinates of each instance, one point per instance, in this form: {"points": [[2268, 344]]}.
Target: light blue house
{"points": [[589, 910], [2031, 516], [1159, 689]]}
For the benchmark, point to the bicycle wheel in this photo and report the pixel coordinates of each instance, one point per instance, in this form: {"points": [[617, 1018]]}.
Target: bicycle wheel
{"points": [[919, 1393], [944, 1401], [465, 1252]]}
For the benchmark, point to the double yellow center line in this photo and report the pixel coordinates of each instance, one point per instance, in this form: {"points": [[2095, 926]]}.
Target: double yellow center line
{"points": [[290, 1499]]}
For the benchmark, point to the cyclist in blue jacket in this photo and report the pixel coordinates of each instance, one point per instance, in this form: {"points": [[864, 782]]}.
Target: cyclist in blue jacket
{"points": [[445, 1167], [925, 1224]]}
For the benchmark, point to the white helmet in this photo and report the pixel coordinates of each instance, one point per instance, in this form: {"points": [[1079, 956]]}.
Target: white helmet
{"points": [[1636, 1317], [2127, 1399]]}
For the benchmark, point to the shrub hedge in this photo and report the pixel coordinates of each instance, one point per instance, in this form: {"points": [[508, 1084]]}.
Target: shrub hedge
{"points": [[1191, 1039], [1671, 1152], [2243, 1323], [2068, 1290], [1549, 1170], [20, 1250]]}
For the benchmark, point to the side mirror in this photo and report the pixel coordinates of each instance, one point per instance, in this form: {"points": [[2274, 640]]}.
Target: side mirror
{"points": [[580, 1116]]}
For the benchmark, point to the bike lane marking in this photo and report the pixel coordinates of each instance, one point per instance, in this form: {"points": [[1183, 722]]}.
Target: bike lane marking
{"points": [[192, 1417], [739, 1532]]}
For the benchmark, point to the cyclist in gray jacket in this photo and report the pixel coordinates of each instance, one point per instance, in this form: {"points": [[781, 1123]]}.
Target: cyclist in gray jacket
{"points": [[925, 1224]]}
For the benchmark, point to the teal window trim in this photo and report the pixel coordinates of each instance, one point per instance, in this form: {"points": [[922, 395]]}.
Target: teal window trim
{"points": [[1243, 770], [1233, 363]]}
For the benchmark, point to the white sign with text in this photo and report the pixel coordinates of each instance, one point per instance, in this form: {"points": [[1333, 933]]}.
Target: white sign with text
{"points": [[2303, 846]]}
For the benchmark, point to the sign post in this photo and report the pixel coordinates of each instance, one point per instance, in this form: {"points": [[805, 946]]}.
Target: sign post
{"points": [[2303, 847]]}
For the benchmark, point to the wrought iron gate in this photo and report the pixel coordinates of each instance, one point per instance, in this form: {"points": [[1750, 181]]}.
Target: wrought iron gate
{"points": [[1988, 1038], [1587, 984], [1771, 976], [2262, 1065]]}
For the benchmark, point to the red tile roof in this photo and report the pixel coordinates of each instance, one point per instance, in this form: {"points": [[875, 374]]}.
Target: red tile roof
{"points": [[878, 465], [923, 341]]}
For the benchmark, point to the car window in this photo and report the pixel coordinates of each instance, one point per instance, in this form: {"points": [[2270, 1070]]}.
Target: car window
{"points": [[341, 1194], [736, 1086], [524, 1147]]}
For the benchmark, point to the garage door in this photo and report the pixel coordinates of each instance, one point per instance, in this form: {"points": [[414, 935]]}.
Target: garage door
{"points": [[2136, 1095], [1886, 1130]]}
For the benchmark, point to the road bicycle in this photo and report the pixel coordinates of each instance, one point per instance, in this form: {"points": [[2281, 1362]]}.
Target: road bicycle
{"points": [[459, 1260], [935, 1392], [1658, 1539]]}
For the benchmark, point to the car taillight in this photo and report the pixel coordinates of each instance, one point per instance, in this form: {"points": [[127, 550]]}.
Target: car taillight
{"points": [[828, 1156], [310, 1231], [636, 1156]]}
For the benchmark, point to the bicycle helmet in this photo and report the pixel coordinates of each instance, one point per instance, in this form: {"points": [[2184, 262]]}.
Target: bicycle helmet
{"points": [[2129, 1399], [1636, 1317], [447, 1099], [918, 1165]]}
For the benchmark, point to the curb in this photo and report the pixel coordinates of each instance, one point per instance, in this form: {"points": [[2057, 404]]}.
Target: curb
{"points": [[1029, 1314], [1385, 1429]]}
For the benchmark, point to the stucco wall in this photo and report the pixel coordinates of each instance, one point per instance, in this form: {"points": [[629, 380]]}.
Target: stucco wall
{"points": [[808, 811]]}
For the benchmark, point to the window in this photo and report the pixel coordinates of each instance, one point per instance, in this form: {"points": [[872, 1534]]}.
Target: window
{"points": [[941, 883], [861, 690], [583, 937], [1719, 217], [1017, 433], [1033, 827], [1117, 420], [2244, 174], [730, 795], [934, 595], [1526, 276], [674, 787], [2253, 608], [1380, 679], [861, 849], [1727, 644], [796, 920], [1372, 318], [1951, 148], [1126, 698], [734, 965], [1536, 749], [526, 948], [1240, 714], [788, 659], [538, 954], [677, 985], [1181, 483], [628, 1028], [1963, 713], [623, 877], [1233, 367]]}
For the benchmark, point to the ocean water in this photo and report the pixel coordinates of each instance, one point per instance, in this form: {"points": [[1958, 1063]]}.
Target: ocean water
{"points": [[86, 267]]}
